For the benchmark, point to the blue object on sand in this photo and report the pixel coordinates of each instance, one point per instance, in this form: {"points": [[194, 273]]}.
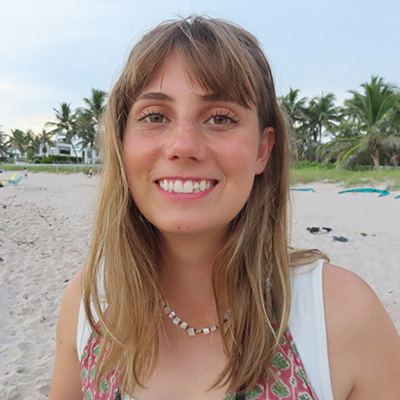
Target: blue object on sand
{"points": [[397, 197], [303, 190], [367, 190]]}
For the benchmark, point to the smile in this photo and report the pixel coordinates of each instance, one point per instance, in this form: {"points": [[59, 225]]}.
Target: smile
{"points": [[187, 186]]}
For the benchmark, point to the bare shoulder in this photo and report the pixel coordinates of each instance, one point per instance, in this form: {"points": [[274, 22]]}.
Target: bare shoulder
{"points": [[66, 376], [73, 292], [363, 344], [69, 311], [344, 288]]}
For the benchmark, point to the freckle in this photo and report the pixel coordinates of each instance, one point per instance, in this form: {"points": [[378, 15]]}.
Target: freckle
{"points": [[178, 227]]}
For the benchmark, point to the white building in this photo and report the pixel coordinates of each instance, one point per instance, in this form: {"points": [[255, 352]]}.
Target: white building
{"points": [[61, 147]]}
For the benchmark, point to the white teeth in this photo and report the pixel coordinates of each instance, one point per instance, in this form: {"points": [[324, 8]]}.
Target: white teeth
{"points": [[185, 187], [178, 186], [188, 187]]}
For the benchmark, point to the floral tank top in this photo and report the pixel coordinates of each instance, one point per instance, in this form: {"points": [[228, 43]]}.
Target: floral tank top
{"points": [[293, 383]]}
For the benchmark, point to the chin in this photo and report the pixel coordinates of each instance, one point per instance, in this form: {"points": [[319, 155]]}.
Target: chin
{"points": [[191, 229]]}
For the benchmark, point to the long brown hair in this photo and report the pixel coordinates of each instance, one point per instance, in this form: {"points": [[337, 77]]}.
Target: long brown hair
{"points": [[125, 254]]}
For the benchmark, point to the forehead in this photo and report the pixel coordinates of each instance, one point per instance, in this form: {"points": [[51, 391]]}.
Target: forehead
{"points": [[174, 73], [177, 72]]}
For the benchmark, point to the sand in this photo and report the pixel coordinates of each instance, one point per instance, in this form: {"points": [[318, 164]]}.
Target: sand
{"points": [[45, 226]]}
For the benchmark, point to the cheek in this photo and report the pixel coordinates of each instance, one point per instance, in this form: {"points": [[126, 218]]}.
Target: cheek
{"points": [[138, 156], [241, 158]]}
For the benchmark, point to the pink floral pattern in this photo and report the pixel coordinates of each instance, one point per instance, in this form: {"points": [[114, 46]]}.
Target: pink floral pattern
{"points": [[293, 383], [108, 389]]}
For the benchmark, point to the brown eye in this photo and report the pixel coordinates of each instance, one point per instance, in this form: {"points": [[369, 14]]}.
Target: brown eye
{"points": [[219, 120], [155, 118], [222, 119]]}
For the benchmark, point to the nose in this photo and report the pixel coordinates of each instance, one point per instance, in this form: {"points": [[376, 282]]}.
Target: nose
{"points": [[186, 142]]}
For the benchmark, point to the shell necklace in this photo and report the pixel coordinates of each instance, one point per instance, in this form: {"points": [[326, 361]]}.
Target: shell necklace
{"points": [[184, 325]]}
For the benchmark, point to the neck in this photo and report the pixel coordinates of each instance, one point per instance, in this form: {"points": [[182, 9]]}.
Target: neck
{"points": [[187, 273]]}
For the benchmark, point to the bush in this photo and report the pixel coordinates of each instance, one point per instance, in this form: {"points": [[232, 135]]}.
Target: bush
{"points": [[30, 154], [58, 159], [312, 164]]}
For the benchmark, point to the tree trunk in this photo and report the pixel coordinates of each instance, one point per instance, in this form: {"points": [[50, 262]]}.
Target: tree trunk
{"points": [[394, 160], [375, 159]]}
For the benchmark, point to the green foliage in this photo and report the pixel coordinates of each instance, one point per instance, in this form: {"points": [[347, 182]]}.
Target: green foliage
{"points": [[30, 154], [312, 164], [59, 159], [389, 178], [60, 168]]}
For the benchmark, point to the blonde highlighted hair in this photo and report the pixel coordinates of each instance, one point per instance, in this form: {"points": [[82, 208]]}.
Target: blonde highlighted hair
{"points": [[227, 60]]}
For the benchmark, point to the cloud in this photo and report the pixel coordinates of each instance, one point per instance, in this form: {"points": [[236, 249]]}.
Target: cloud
{"points": [[9, 90], [35, 122]]}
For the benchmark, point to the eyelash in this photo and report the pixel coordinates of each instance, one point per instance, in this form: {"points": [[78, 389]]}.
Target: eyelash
{"points": [[148, 113], [224, 114]]}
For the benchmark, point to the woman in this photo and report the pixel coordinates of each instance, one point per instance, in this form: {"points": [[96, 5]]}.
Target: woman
{"points": [[190, 291]]}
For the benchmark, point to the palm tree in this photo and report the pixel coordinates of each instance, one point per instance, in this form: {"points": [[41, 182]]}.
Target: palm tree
{"points": [[293, 110], [18, 140], [3, 145], [322, 113], [66, 123], [390, 145], [45, 138], [292, 107], [89, 119], [376, 115], [96, 105]]}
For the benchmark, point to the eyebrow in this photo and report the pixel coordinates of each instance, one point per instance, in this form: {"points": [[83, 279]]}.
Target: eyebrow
{"points": [[155, 96], [208, 97]]}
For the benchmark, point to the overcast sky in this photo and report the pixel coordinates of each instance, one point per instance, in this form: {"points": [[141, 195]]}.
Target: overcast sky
{"points": [[54, 51]]}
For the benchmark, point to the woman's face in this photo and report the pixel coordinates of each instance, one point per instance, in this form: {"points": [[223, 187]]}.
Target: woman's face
{"points": [[191, 156]]}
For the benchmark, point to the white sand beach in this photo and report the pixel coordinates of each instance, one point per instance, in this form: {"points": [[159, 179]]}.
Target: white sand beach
{"points": [[45, 226]]}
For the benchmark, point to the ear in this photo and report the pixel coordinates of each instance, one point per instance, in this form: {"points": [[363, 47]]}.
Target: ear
{"points": [[267, 140]]}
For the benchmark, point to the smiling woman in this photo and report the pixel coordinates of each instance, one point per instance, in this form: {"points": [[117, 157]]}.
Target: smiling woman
{"points": [[180, 135], [191, 290]]}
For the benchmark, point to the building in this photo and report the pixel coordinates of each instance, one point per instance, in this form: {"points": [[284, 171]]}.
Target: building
{"points": [[61, 147]]}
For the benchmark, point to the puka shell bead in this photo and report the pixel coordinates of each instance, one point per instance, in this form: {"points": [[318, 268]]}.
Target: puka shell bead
{"points": [[191, 332]]}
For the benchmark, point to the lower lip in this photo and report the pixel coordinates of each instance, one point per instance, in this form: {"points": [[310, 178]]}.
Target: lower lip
{"points": [[185, 196]]}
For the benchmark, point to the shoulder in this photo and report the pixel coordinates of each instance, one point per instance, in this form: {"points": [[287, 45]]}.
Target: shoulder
{"points": [[348, 298], [341, 286], [69, 311], [363, 344], [66, 382], [73, 292]]}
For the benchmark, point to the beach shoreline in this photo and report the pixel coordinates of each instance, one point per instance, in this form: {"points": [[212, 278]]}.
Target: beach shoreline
{"points": [[46, 221]]}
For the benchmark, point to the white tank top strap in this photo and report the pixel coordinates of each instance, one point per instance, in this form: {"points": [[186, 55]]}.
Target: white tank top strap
{"points": [[83, 332], [308, 328]]}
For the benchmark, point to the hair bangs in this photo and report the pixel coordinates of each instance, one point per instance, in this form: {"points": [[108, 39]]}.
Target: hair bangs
{"points": [[217, 60], [212, 62]]}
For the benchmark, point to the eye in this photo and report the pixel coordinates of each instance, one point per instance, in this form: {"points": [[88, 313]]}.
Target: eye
{"points": [[222, 118], [153, 118]]}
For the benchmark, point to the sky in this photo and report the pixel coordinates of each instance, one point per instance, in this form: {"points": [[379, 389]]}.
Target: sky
{"points": [[54, 51]]}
